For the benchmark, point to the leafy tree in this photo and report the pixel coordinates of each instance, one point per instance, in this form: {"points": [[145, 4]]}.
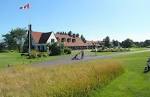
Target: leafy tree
{"points": [[70, 33], [83, 39], [137, 44], [115, 43], [107, 42], [146, 43], [77, 35], [2, 46], [15, 39], [74, 35], [10, 42], [127, 43]]}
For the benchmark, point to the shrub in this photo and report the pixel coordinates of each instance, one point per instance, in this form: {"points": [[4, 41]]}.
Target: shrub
{"points": [[67, 51], [34, 54], [56, 49], [44, 54], [113, 50], [39, 55]]}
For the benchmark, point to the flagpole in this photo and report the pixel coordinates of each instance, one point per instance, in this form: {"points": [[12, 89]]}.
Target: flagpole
{"points": [[30, 30], [29, 37], [24, 7]]}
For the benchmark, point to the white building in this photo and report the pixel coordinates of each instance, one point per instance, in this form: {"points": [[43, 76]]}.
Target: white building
{"points": [[40, 40]]}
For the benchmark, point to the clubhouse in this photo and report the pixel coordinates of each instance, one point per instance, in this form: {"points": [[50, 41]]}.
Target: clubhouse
{"points": [[41, 39]]}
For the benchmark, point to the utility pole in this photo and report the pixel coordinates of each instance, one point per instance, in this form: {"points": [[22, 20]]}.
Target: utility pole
{"points": [[29, 37]]}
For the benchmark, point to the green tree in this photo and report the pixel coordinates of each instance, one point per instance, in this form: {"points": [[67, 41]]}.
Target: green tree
{"points": [[146, 43], [107, 42], [2, 46], [70, 33], [56, 49], [77, 35], [115, 43], [15, 39], [83, 39], [127, 43]]}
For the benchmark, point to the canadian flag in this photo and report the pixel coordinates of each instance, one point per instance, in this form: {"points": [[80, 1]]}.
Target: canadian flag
{"points": [[26, 6]]}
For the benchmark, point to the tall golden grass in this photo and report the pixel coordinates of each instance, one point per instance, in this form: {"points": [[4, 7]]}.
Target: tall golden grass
{"points": [[75, 80]]}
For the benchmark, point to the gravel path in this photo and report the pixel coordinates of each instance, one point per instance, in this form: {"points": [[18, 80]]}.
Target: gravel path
{"points": [[68, 60]]}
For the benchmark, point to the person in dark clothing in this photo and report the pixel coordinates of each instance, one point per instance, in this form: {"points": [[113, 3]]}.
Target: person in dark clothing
{"points": [[148, 63], [82, 54], [75, 57]]}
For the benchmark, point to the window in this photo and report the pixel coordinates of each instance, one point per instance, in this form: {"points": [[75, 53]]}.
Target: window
{"points": [[63, 40], [69, 40], [73, 40], [52, 40]]}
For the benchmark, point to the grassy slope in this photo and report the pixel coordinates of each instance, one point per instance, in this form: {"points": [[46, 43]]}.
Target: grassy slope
{"points": [[133, 83]]}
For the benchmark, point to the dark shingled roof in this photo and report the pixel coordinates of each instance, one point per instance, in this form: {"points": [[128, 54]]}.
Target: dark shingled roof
{"points": [[44, 37]]}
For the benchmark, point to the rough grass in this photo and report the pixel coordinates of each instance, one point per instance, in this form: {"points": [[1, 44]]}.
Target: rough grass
{"points": [[75, 80]]}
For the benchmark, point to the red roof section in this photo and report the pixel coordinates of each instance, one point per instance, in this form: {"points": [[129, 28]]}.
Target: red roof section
{"points": [[36, 36], [78, 41]]}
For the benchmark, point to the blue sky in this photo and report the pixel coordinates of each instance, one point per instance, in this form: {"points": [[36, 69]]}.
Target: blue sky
{"points": [[95, 19]]}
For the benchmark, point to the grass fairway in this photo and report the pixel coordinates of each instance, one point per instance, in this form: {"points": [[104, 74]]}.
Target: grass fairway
{"points": [[14, 58], [133, 83]]}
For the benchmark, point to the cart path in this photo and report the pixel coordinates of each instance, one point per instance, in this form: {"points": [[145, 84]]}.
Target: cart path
{"points": [[68, 59]]}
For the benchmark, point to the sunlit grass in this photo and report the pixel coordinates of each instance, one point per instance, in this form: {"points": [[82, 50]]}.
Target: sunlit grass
{"points": [[133, 83], [75, 80]]}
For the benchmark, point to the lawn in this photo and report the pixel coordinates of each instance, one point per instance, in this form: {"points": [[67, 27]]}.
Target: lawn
{"points": [[14, 58], [133, 83]]}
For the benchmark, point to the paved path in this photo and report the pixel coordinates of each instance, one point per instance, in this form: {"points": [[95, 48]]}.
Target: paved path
{"points": [[68, 60]]}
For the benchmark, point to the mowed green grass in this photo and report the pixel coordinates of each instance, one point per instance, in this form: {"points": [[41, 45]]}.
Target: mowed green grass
{"points": [[14, 58], [133, 83]]}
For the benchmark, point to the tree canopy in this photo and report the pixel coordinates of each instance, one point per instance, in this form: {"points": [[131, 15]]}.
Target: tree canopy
{"points": [[127, 43], [107, 42], [15, 39]]}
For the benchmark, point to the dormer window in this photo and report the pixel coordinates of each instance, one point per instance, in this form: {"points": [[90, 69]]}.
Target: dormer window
{"points": [[69, 40], [63, 40], [73, 40]]}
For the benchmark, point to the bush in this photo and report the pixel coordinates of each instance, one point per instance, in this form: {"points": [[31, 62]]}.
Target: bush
{"points": [[55, 49], [67, 51], [35, 54], [112, 50], [44, 54]]}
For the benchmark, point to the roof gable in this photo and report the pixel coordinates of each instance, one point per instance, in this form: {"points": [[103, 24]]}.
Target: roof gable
{"points": [[40, 38], [36, 36], [44, 37]]}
